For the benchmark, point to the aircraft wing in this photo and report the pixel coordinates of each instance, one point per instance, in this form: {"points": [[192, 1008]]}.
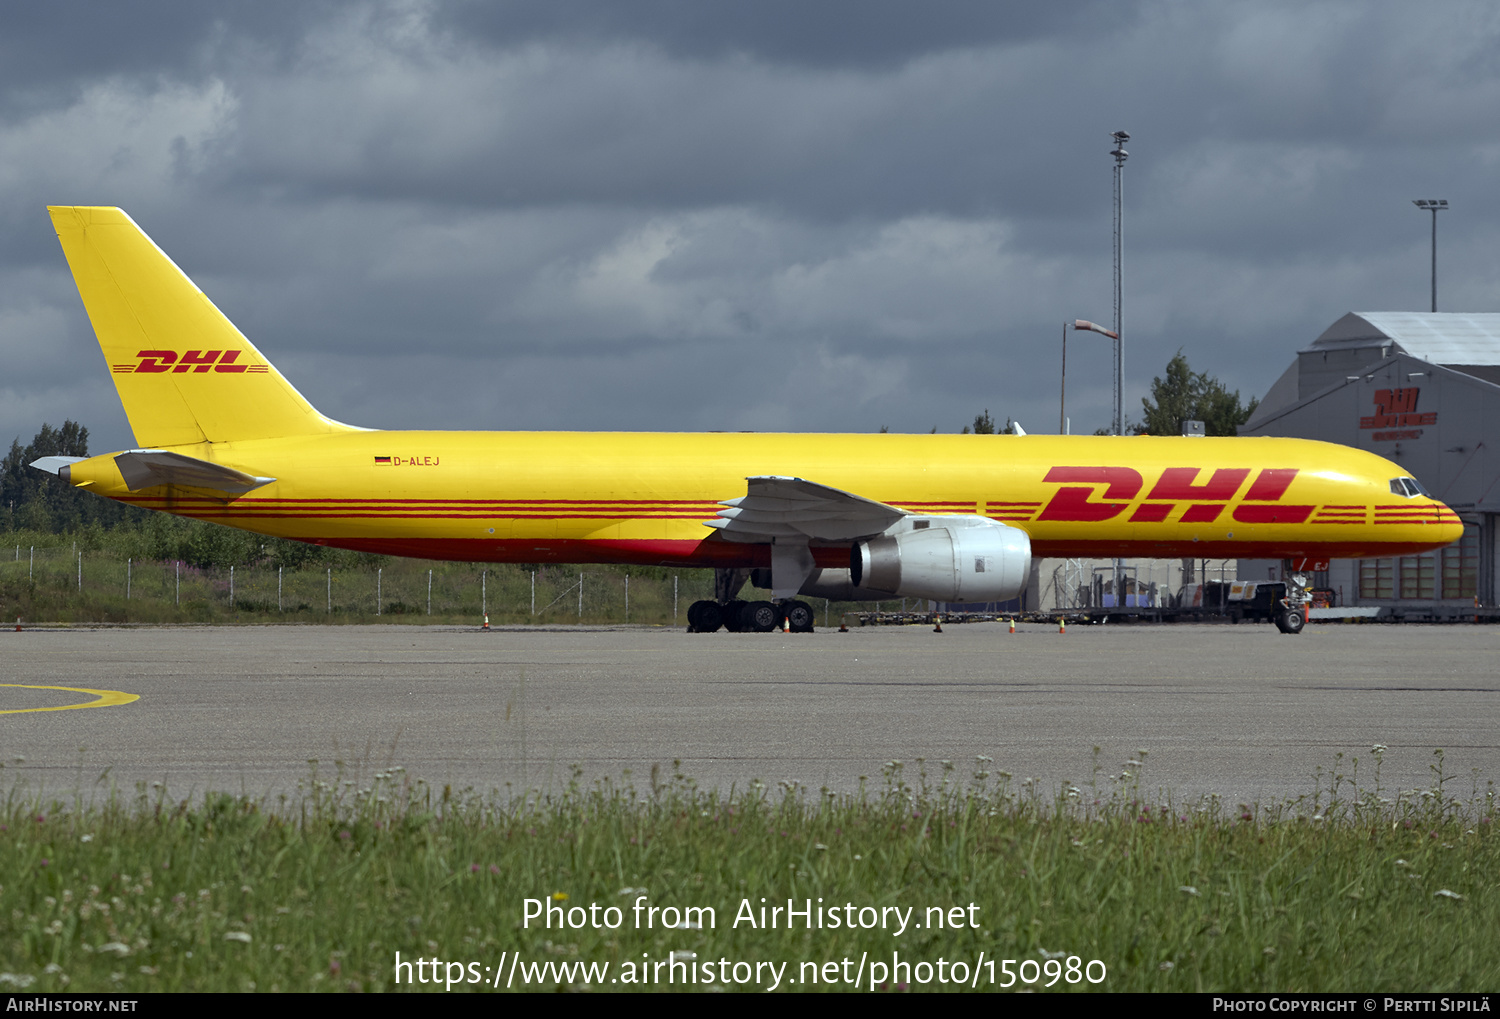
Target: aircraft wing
{"points": [[777, 507], [144, 468]]}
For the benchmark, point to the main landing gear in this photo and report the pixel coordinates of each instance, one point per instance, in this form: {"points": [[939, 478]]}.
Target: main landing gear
{"points": [[738, 616], [749, 616]]}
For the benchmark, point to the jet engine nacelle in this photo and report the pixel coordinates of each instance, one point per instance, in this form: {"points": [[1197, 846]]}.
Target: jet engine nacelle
{"points": [[955, 559], [835, 585]]}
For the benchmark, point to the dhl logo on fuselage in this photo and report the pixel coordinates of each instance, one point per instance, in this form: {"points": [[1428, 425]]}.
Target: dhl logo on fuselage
{"points": [[199, 361], [1205, 502]]}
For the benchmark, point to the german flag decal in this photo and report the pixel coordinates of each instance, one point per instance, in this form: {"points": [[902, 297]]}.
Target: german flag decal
{"points": [[382, 461]]}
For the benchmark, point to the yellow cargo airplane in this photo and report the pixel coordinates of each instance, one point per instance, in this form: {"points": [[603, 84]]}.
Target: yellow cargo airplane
{"points": [[224, 437]]}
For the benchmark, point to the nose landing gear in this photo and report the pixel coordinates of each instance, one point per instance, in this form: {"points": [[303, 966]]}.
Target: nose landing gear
{"points": [[1291, 614], [1291, 618]]}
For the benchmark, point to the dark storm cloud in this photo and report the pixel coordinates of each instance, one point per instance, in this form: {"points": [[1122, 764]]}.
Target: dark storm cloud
{"points": [[773, 216], [48, 51], [829, 34], [623, 125]]}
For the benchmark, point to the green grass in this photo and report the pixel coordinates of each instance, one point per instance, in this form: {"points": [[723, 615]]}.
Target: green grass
{"points": [[51, 583], [1345, 889]]}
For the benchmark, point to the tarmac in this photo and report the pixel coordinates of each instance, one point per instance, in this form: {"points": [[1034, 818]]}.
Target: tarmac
{"points": [[1241, 712]]}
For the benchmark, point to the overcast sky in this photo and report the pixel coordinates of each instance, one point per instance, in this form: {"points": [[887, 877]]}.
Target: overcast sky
{"points": [[781, 216]]}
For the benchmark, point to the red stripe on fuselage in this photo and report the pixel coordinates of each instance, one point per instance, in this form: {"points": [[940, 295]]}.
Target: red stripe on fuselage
{"points": [[713, 552]]}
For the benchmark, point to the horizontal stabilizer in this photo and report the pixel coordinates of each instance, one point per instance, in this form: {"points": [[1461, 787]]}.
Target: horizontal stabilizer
{"points": [[53, 464], [145, 468], [777, 507]]}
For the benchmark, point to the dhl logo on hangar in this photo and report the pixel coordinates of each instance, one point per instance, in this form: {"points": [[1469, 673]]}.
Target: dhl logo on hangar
{"points": [[1177, 486], [198, 361]]}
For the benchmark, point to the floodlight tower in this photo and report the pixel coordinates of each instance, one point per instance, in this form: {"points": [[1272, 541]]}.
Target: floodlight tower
{"points": [[1062, 416], [1120, 137], [1435, 206]]}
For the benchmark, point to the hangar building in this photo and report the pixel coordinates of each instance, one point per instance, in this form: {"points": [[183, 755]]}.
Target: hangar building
{"points": [[1423, 390]]}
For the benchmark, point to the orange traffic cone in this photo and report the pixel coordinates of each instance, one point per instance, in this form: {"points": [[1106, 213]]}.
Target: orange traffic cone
{"points": [[1012, 626], [486, 621], [1062, 625]]}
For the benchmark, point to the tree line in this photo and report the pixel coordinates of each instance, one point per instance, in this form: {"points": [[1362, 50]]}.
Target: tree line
{"points": [[37, 503], [33, 500]]}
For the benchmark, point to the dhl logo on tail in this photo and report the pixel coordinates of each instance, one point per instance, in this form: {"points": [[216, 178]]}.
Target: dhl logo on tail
{"points": [[200, 361]]}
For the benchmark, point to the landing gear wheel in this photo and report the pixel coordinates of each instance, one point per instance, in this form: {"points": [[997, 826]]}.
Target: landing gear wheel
{"points": [[704, 617], [759, 617], [731, 613], [800, 616], [1290, 619]]}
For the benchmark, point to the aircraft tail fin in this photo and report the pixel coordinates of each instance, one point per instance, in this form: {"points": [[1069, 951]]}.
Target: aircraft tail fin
{"points": [[183, 371]]}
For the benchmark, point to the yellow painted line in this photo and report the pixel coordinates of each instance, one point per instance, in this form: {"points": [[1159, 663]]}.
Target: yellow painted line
{"points": [[107, 698]]}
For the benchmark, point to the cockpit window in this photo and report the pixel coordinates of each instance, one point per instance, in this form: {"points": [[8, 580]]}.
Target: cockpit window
{"points": [[1408, 487]]}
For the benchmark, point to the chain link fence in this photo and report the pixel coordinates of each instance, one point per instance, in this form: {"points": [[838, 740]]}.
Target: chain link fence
{"points": [[68, 584]]}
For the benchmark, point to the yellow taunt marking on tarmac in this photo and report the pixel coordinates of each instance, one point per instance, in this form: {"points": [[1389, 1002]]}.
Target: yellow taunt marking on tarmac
{"points": [[107, 698]]}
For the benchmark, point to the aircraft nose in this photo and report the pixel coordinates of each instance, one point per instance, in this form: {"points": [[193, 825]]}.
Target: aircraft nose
{"points": [[1449, 527]]}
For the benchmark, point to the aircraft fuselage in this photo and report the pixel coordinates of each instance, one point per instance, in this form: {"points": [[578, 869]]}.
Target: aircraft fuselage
{"points": [[645, 497]]}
